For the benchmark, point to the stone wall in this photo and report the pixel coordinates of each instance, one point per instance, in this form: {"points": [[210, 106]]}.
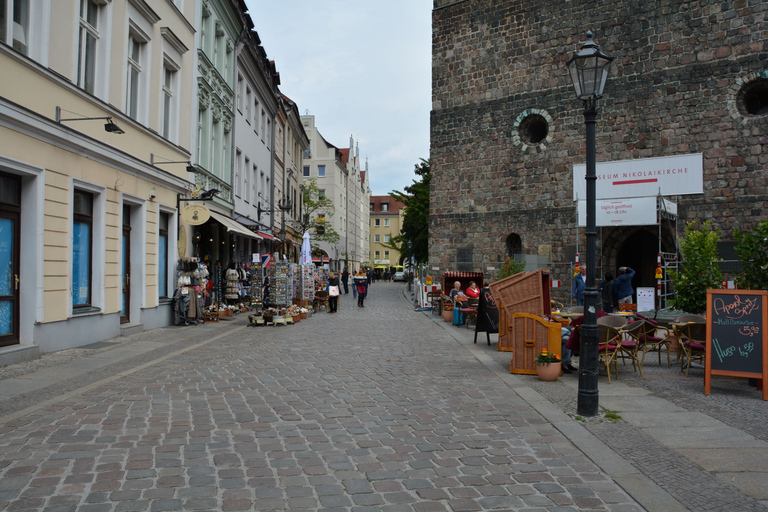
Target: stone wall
{"points": [[506, 128]]}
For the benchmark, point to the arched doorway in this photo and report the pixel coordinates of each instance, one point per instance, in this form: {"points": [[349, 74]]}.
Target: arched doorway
{"points": [[514, 245], [639, 252]]}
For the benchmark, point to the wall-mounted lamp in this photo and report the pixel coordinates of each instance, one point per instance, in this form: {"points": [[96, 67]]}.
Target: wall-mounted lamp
{"points": [[109, 126], [190, 168]]}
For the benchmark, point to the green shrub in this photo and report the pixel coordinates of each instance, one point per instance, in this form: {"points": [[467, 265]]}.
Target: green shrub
{"points": [[752, 249], [700, 269], [510, 268]]}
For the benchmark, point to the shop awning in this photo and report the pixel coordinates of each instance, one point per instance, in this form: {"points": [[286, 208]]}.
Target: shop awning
{"points": [[265, 236], [233, 226]]}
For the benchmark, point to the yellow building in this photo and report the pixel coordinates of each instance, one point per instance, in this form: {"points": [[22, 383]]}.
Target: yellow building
{"points": [[93, 94], [386, 218]]}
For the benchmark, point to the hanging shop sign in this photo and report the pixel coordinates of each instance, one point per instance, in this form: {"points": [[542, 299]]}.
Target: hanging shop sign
{"points": [[195, 214], [642, 177]]}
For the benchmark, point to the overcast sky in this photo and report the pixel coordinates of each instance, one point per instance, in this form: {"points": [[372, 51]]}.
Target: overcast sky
{"points": [[362, 68]]}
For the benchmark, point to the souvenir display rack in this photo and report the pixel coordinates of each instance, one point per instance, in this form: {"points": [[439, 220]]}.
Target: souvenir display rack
{"points": [[256, 282], [232, 294], [307, 282], [281, 283]]}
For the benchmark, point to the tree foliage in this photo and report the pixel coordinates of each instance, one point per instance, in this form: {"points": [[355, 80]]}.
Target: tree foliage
{"points": [[314, 207], [509, 268], [700, 270], [415, 226], [752, 249]]}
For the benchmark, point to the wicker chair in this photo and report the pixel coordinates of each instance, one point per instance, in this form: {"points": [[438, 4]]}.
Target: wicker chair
{"points": [[631, 334], [692, 339], [434, 299], [654, 338], [471, 311], [679, 322], [608, 339], [614, 321]]}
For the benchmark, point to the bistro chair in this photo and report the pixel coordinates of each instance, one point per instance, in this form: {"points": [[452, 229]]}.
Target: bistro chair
{"points": [[679, 322], [434, 300], [692, 338], [630, 343], [614, 321], [573, 310], [654, 338], [470, 311], [608, 340]]}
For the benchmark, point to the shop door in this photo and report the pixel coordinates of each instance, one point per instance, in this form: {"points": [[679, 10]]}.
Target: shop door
{"points": [[125, 313], [10, 210]]}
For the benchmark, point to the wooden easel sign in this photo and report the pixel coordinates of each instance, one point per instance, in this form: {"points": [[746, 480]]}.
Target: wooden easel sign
{"points": [[487, 315], [737, 336]]}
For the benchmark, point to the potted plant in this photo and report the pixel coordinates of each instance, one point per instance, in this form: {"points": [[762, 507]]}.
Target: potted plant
{"points": [[548, 365], [447, 311]]}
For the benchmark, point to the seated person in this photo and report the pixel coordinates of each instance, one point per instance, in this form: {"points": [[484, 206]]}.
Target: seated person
{"points": [[456, 290], [473, 292]]}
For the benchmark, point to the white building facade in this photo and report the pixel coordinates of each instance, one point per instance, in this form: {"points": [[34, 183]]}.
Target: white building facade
{"points": [[252, 177], [340, 178]]}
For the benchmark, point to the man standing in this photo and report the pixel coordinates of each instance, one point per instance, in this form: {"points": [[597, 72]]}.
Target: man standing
{"points": [[622, 286], [345, 280], [579, 284]]}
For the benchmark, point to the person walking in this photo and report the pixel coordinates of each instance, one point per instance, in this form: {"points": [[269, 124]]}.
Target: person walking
{"points": [[334, 290], [345, 280], [606, 292], [579, 284], [622, 286], [361, 283]]}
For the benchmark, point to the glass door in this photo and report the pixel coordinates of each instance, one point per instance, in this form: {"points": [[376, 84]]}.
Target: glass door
{"points": [[125, 312], [10, 209]]}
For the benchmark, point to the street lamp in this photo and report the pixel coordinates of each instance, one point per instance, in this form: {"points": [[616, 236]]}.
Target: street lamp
{"points": [[589, 69], [284, 205]]}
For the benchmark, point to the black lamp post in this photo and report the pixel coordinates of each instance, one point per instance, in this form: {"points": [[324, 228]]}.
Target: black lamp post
{"points": [[589, 69], [285, 205]]}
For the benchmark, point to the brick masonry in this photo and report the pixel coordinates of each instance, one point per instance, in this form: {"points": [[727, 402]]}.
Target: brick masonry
{"points": [[675, 87]]}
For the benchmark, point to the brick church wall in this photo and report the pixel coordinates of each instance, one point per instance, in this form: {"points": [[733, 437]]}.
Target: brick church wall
{"points": [[676, 87]]}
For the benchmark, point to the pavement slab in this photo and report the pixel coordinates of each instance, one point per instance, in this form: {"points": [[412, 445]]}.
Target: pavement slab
{"points": [[376, 408]]}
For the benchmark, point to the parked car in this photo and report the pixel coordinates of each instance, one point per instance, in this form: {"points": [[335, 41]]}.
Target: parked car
{"points": [[400, 276]]}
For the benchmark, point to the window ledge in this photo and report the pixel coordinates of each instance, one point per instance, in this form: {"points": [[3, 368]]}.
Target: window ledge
{"points": [[85, 311]]}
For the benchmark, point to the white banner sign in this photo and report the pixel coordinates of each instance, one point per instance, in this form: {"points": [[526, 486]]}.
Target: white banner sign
{"points": [[672, 175], [637, 211]]}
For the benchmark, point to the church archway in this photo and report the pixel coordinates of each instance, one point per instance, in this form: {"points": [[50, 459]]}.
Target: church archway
{"points": [[638, 249]]}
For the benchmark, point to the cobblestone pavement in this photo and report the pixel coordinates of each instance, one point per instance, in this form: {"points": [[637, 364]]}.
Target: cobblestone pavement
{"points": [[370, 409], [732, 401]]}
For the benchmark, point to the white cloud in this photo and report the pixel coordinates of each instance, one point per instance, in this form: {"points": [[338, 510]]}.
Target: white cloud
{"points": [[361, 68]]}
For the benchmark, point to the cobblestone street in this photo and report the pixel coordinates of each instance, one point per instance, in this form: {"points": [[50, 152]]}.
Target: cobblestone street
{"points": [[370, 409], [376, 408]]}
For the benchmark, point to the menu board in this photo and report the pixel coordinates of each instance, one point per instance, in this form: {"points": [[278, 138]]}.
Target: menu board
{"points": [[737, 341], [487, 315]]}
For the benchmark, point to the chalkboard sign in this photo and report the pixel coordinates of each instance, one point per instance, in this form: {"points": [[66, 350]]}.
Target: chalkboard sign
{"points": [[737, 341], [487, 315]]}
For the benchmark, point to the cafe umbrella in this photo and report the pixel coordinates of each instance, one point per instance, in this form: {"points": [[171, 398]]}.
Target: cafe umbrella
{"points": [[306, 250]]}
